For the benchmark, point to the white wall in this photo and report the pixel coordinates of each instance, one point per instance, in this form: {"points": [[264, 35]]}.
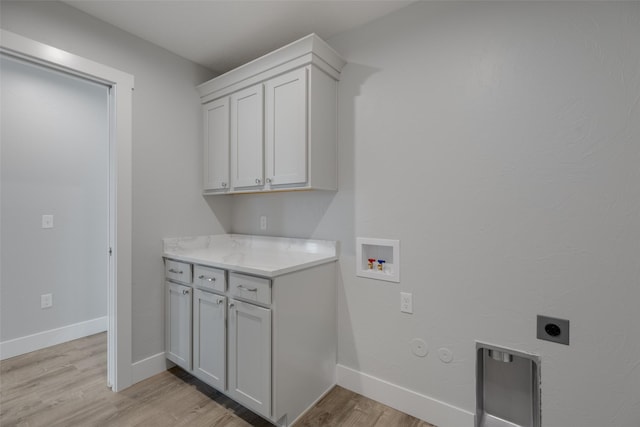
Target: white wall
{"points": [[55, 139], [497, 141], [500, 143], [167, 134]]}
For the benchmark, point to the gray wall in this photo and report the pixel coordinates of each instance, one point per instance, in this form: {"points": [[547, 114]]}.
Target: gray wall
{"points": [[167, 138], [499, 143], [55, 136]]}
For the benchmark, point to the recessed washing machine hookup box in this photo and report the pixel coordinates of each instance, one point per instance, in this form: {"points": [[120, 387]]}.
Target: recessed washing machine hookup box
{"points": [[378, 259]]}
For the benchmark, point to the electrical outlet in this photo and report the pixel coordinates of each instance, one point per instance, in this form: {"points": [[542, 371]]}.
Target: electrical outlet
{"points": [[46, 300], [47, 221], [552, 329], [263, 222], [406, 302]]}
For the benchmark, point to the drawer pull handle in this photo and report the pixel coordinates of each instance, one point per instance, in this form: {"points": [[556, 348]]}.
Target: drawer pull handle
{"points": [[208, 279], [231, 305], [247, 289], [185, 292], [173, 270], [220, 301]]}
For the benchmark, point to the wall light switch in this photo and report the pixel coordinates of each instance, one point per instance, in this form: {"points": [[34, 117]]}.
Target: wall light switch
{"points": [[47, 221]]}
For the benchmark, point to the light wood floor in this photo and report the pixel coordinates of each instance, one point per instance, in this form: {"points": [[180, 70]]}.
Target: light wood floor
{"points": [[65, 385]]}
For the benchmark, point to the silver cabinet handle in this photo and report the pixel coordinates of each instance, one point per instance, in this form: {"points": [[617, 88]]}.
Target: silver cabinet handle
{"points": [[173, 270], [269, 180], [231, 305], [258, 180], [185, 292], [224, 184], [208, 279], [220, 301], [247, 289]]}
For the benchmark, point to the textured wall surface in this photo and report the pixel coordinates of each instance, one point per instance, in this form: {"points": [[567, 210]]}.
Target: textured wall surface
{"points": [[167, 138], [497, 141], [500, 142], [55, 158]]}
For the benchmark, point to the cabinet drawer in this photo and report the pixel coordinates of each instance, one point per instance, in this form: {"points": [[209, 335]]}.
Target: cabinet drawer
{"points": [[177, 271], [209, 278], [250, 288]]}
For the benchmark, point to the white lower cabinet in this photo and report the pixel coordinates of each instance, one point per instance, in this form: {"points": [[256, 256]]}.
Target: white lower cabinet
{"points": [[209, 337], [250, 355], [178, 324], [269, 344]]}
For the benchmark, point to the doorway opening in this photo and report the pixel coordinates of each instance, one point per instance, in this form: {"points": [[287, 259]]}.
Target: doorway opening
{"points": [[116, 245]]}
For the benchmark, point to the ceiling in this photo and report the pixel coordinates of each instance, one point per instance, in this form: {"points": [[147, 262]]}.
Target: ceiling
{"points": [[223, 34]]}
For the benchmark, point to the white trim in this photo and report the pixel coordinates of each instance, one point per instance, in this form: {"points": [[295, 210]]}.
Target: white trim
{"points": [[29, 343], [152, 365], [418, 405], [307, 50], [23, 47], [120, 192]]}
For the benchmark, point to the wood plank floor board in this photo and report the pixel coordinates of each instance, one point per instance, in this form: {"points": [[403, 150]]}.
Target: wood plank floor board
{"points": [[336, 405], [65, 386]]}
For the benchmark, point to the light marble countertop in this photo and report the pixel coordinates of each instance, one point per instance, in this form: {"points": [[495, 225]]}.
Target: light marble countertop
{"points": [[259, 255]]}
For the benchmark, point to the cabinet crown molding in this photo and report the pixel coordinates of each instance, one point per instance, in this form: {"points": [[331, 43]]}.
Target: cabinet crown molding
{"points": [[310, 49]]}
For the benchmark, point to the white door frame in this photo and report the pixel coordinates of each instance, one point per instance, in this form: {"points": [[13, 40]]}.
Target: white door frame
{"points": [[120, 85]]}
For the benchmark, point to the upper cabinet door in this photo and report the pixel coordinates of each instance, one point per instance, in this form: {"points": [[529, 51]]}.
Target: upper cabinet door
{"points": [[247, 148], [216, 145], [286, 128]]}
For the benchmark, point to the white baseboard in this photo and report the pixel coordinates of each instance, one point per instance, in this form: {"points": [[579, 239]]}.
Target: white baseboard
{"points": [[29, 343], [146, 368], [410, 402]]}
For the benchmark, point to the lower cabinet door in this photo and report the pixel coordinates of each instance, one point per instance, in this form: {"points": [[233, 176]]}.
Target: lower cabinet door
{"points": [[250, 356], [178, 325], [209, 338]]}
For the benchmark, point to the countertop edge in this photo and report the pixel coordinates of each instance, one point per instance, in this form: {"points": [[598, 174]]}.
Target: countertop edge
{"points": [[248, 270]]}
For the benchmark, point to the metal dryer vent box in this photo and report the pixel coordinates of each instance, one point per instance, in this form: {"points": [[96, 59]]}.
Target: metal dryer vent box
{"points": [[507, 387]]}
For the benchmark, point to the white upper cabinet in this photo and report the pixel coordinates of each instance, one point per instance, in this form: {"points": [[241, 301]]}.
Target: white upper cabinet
{"points": [[216, 145], [247, 142], [286, 128], [281, 129]]}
